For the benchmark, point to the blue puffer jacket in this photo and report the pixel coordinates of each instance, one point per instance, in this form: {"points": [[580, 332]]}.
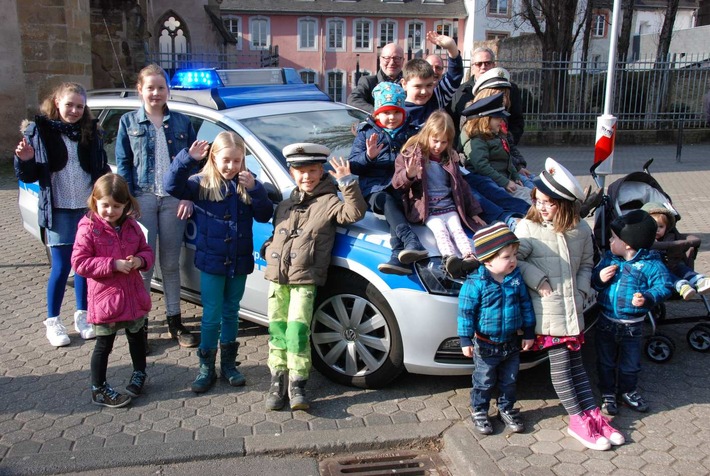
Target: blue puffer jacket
{"points": [[376, 174], [645, 273], [225, 244], [135, 146]]}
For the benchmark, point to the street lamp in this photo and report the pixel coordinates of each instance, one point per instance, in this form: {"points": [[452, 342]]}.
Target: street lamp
{"points": [[410, 43]]}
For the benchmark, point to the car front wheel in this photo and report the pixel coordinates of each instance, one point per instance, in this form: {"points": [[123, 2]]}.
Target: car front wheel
{"points": [[355, 336]]}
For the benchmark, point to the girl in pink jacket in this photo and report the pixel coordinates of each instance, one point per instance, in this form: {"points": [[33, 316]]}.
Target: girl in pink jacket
{"points": [[110, 250]]}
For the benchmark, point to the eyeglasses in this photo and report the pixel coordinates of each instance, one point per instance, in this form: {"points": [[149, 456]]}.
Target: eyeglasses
{"points": [[478, 64], [396, 59], [544, 204]]}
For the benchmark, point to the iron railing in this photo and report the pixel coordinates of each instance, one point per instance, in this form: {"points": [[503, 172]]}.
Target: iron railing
{"points": [[647, 94], [234, 59]]}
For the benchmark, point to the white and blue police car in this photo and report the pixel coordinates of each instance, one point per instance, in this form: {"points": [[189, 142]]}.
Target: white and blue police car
{"points": [[368, 327]]}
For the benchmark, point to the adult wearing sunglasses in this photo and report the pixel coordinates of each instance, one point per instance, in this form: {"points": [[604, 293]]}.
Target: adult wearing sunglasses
{"points": [[483, 60], [391, 63]]}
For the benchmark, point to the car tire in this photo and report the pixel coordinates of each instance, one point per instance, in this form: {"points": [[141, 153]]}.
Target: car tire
{"points": [[355, 337]]}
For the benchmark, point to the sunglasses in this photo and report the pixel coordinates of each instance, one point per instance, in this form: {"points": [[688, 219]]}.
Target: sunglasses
{"points": [[482, 63]]}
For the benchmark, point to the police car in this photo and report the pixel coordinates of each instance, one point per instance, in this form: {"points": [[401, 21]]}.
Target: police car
{"points": [[368, 327]]}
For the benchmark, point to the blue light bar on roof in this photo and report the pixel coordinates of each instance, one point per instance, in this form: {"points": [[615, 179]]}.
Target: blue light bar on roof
{"points": [[196, 79]]}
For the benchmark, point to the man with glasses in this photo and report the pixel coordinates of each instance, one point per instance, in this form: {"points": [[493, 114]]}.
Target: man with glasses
{"points": [[391, 62], [437, 65], [482, 60]]}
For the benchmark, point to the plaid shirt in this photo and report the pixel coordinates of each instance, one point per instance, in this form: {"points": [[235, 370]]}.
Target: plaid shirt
{"points": [[496, 310], [645, 273]]}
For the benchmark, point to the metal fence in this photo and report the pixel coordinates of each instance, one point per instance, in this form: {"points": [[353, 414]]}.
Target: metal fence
{"points": [[647, 94]]}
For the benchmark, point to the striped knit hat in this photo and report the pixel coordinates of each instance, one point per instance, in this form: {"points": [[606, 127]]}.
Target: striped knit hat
{"points": [[488, 241]]}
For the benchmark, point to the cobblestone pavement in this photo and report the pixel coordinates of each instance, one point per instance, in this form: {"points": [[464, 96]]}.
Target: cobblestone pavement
{"points": [[47, 423]]}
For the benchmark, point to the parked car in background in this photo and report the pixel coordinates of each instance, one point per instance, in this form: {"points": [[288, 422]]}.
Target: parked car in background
{"points": [[368, 327]]}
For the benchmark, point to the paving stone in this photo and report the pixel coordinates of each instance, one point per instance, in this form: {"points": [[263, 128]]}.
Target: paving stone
{"points": [[512, 464], [546, 447], [542, 460]]}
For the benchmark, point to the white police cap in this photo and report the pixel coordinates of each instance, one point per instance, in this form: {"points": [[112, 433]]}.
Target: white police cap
{"points": [[304, 153]]}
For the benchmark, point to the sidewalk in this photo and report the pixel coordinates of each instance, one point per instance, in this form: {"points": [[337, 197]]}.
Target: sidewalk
{"points": [[47, 424]]}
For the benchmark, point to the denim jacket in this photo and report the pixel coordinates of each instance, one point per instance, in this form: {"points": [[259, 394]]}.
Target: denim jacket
{"points": [[135, 146]]}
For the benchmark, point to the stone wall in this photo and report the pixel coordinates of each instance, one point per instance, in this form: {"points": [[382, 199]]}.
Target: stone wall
{"points": [[119, 43], [12, 81]]}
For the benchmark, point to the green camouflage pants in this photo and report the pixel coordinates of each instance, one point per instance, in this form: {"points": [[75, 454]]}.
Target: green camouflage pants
{"points": [[290, 310]]}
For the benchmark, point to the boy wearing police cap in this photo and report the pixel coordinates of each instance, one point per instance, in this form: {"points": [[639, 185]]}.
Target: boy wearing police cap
{"points": [[631, 281], [297, 258]]}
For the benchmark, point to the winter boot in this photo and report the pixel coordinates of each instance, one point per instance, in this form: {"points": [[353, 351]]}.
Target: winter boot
{"points": [[394, 265], [208, 375], [297, 394], [276, 398], [177, 331], [413, 249], [228, 364]]}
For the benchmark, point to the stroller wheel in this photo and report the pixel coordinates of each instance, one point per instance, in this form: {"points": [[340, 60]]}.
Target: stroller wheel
{"points": [[699, 338], [659, 348]]}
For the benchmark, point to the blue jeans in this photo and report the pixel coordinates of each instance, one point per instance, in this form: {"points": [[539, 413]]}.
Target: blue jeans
{"points": [[220, 308], [494, 363], [618, 348], [166, 230], [497, 203]]}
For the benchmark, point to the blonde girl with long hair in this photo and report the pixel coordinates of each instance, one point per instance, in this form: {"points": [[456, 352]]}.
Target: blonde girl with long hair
{"points": [[227, 199], [435, 193]]}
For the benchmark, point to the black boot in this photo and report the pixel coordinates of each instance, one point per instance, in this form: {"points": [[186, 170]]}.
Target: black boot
{"points": [[297, 394], [394, 265], [276, 398], [177, 331], [413, 249], [228, 364], [208, 375], [145, 336]]}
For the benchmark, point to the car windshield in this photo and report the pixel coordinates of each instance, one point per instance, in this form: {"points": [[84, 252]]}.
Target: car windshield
{"points": [[333, 128]]}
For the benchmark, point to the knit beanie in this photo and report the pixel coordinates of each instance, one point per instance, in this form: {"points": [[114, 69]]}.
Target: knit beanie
{"points": [[388, 96], [656, 208], [488, 241], [637, 229]]}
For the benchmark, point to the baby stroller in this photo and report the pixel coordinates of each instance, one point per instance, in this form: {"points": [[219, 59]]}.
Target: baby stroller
{"points": [[630, 193]]}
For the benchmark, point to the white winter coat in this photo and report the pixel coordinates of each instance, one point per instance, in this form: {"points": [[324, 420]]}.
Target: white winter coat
{"points": [[566, 260]]}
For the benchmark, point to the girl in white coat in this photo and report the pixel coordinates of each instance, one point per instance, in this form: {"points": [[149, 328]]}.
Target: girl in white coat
{"points": [[556, 257]]}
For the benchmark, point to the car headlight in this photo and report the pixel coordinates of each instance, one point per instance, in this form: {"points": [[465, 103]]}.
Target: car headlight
{"points": [[432, 274]]}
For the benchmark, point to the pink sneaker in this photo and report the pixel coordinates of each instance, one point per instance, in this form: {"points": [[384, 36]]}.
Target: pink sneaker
{"points": [[604, 427], [582, 428]]}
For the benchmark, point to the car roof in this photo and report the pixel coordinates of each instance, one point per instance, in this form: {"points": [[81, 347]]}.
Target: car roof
{"points": [[236, 88]]}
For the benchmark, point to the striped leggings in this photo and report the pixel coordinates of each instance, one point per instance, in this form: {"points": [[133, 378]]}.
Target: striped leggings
{"points": [[570, 380]]}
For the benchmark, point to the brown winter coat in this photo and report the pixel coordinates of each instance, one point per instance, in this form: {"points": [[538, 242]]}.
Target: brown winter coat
{"points": [[304, 232], [414, 192]]}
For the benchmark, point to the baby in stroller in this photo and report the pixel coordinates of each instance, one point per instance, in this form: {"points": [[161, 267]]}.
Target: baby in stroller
{"points": [[678, 251]]}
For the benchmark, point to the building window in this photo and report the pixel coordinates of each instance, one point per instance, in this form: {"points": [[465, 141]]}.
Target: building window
{"points": [[234, 25], [415, 31], [336, 85], [362, 40], [446, 28], [307, 36], [259, 32], [309, 76], [498, 7], [173, 42], [356, 78], [599, 25], [336, 34], [388, 32], [496, 35]]}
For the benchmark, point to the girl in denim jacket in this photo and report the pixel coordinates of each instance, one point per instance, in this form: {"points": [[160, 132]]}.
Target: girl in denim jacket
{"points": [[109, 251], [148, 141]]}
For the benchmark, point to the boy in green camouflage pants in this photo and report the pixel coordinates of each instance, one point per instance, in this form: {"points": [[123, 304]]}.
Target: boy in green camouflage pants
{"points": [[297, 259]]}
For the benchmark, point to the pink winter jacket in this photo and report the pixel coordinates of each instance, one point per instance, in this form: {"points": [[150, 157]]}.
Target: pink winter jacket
{"points": [[113, 296]]}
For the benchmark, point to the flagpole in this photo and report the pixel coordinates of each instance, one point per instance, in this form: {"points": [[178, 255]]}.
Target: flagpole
{"points": [[606, 123]]}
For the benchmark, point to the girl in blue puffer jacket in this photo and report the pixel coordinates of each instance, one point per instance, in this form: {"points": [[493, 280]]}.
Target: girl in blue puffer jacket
{"points": [[227, 199]]}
